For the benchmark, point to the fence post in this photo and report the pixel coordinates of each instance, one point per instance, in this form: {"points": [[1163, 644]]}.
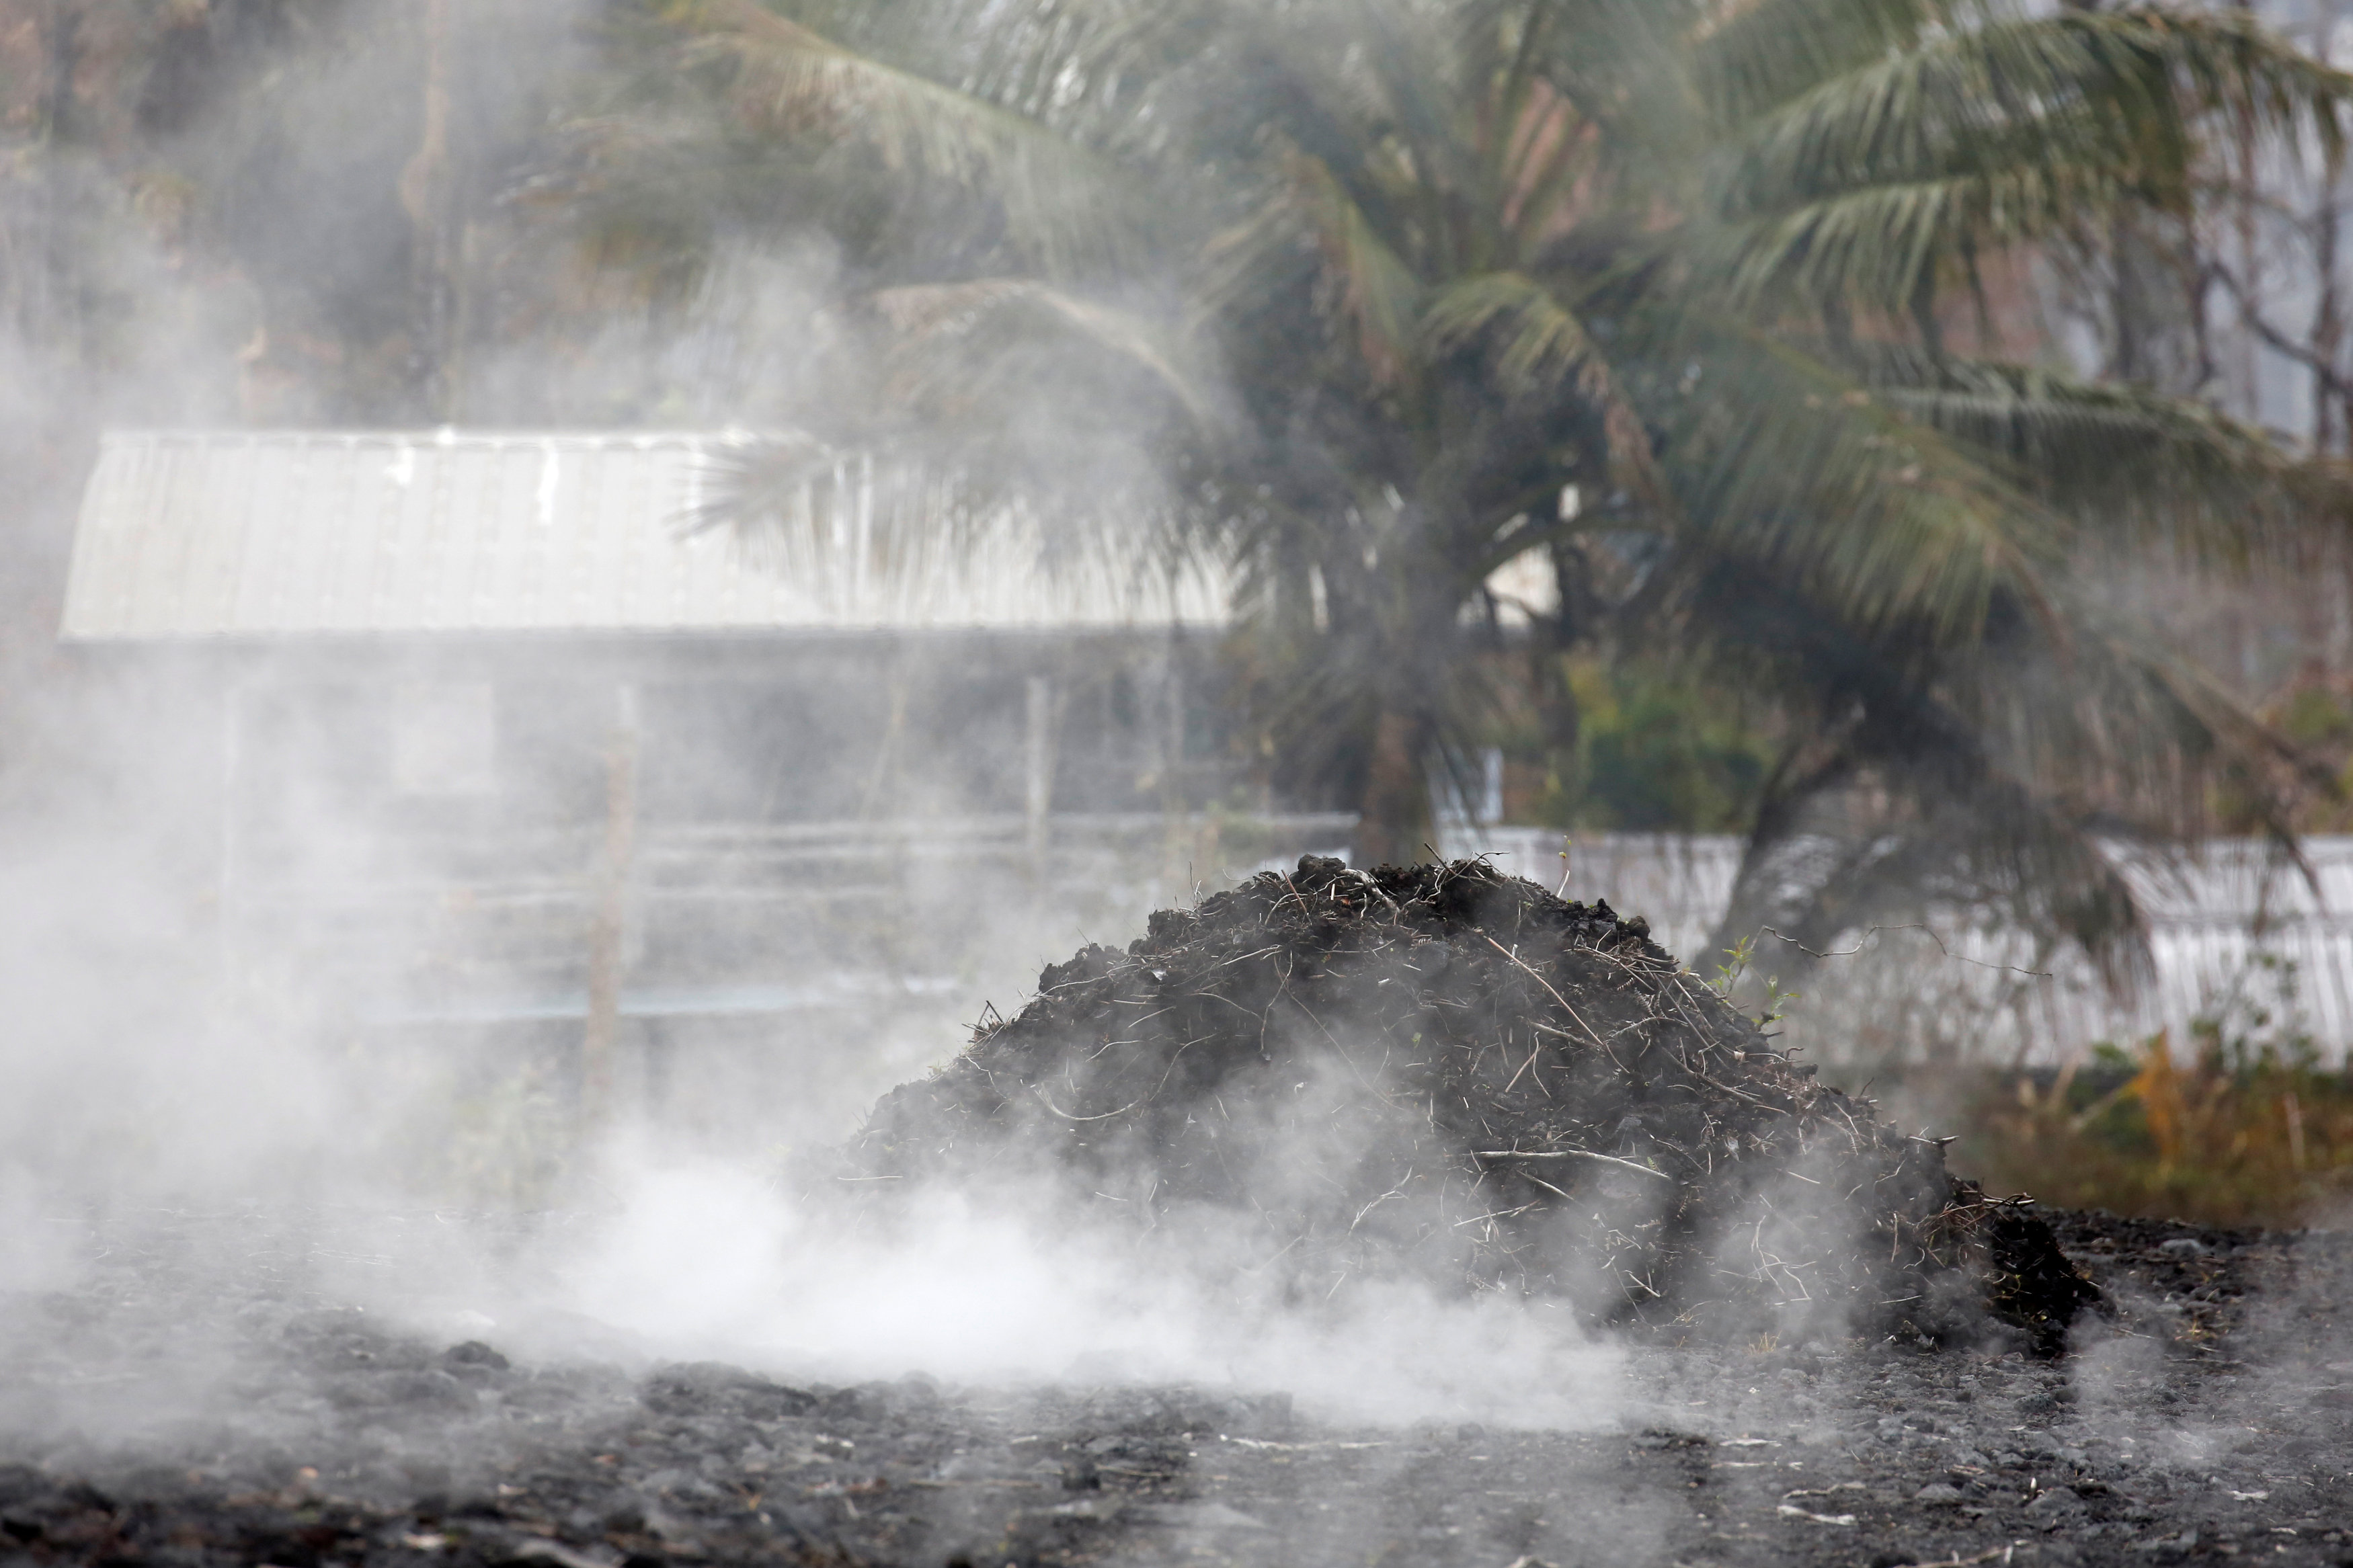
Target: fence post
{"points": [[609, 915], [1039, 797]]}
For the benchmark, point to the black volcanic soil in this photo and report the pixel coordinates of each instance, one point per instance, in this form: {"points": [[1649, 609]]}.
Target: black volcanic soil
{"points": [[198, 1396]]}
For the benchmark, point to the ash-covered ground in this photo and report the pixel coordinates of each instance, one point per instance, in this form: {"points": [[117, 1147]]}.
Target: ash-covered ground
{"points": [[202, 1389]]}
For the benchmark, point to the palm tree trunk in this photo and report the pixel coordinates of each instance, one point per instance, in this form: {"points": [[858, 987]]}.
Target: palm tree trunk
{"points": [[427, 190], [1394, 826], [1765, 891]]}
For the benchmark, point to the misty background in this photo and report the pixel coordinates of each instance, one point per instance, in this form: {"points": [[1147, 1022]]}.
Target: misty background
{"points": [[1158, 491]]}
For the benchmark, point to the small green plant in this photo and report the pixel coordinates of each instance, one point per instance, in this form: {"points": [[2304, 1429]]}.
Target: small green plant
{"points": [[1777, 1001], [1735, 965]]}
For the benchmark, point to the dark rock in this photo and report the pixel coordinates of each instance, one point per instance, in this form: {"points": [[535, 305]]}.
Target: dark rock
{"points": [[82, 1495], [19, 1482], [855, 1405], [2055, 1506], [692, 1388]]}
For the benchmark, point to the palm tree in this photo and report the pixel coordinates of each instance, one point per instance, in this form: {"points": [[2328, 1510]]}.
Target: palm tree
{"points": [[1665, 291]]}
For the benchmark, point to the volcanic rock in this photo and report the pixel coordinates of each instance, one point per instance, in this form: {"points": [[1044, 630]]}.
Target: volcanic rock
{"points": [[1440, 1071]]}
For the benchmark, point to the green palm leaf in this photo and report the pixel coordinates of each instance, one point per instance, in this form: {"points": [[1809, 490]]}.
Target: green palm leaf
{"points": [[1540, 345], [1467, 252], [2009, 130], [954, 341], [1074, 210], [2146, 470], [2120, 92], [1378, 295], [1781, 461], [1765, 54], [1878, 245], [959, 466]]}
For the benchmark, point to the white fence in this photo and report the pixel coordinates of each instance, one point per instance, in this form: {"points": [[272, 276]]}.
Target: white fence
{"points": [[2234, 927]]}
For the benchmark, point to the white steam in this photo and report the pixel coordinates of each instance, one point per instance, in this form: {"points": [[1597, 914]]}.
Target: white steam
{"points": [[707, 1261]]}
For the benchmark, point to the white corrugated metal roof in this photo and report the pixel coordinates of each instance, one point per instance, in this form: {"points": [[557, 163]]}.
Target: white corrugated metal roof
{"points": [[280, 533]]}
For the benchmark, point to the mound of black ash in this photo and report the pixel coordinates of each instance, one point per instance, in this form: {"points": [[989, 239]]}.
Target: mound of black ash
{"points": [[1446, 1072]]}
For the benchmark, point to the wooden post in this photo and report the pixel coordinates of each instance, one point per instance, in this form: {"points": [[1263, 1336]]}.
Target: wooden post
{"points": [[232, 786], [609, 913], [1040, 758], [1179, 851]]}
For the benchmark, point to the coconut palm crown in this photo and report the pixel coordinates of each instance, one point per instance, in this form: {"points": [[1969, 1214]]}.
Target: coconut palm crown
{"points": [[1673, 294]]}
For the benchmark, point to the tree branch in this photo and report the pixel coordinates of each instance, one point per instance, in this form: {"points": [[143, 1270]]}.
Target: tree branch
{"points": [[2278, 341]]}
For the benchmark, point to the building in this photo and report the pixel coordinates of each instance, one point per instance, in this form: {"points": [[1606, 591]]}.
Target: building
{"points": [[508, 749]]}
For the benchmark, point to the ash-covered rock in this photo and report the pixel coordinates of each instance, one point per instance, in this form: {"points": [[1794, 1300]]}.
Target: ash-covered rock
{"points": [[1445, 1072]]}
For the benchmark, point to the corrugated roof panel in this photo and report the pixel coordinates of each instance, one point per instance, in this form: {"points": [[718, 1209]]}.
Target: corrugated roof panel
{"points": [[302, 548], [139, 573], [605, 555], [350, 552], [504, 586], [101, 591], [406, 548], [287, 534]]}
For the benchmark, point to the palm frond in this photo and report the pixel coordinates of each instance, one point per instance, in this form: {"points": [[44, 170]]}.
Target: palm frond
{"points": [[1072, 209], [2122, 92], [1372, 288], [2232, 64], [1969, 840], [1423, 93], [1007, 420], [1042, 58], [1762, 54], [1876, 244], [1781, 461], [1540, 345], [2117, 723], [1982, 777], [2140, 469], [900, 520], [1544, 343], [952, 339], [2014, 129]]}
